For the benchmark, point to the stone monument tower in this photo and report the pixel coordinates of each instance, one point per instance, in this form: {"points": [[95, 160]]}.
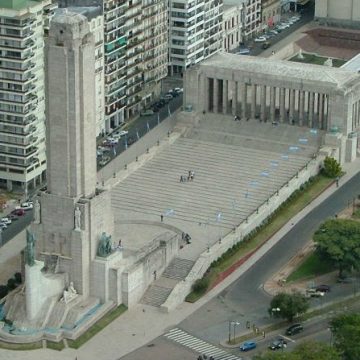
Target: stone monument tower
{"points": [[72, 217]]}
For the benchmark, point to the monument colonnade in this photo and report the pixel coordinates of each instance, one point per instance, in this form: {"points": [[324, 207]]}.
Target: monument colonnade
{"points": [[253, 97]]}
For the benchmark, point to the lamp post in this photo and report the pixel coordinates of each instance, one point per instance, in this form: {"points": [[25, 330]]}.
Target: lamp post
{"points": [[234, 323]]}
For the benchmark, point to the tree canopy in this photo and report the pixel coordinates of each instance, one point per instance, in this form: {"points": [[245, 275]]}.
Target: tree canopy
{"points": [[287, 306], [331, 168], [339, 241], [308, 350], [346, 331]]}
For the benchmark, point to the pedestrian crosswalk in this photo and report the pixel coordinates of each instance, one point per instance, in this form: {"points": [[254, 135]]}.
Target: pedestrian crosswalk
{"points": [[199, 345]]}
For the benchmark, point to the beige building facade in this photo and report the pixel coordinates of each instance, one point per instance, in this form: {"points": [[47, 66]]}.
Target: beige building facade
{"points": [[335, 12], [271, 13], [314, 96]]}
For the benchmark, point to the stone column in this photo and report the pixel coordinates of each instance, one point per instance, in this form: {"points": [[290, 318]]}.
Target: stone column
{"points": [[234, 97], [243, 100], [291, 105], [272, 103], [282, 104], [321, 111], [301, 108], [225, 96], [206, 93], [311, 108], [216, 95], [263, 103], [253, 101]]}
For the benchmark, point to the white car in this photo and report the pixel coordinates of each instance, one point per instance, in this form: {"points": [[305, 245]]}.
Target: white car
{"points": [[3, 226], [27, 205], [260, 39], [5, 220], [119, 134], [284, 25], [273, 32], [178, 90]]}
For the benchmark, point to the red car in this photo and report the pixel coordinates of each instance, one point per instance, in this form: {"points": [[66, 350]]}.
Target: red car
{"points": [[18, 212]]}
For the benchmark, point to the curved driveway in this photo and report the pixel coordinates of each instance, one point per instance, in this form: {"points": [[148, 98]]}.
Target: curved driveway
{"points": [[245, 300]]}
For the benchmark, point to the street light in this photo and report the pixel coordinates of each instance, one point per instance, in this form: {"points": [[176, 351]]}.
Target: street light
{"points": [[234, 323]]}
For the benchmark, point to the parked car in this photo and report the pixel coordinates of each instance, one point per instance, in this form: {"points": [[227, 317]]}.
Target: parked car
{"points": [[260, 39], [275, 32], [323, 288], [148, 112], [266, 45], [104, 160], [168, 97], [244, 51], [314, 293], [294, 329], [118, 134], [285, 25], [27, 205], [18, 212], [178, 90], [278, 344], [3, 226], [248, 345], [5, 220], [173, 93], [112, 140]]}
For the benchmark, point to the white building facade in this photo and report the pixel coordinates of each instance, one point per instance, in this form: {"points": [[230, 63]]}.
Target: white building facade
{"points": [[232, 26], [22, 93]]}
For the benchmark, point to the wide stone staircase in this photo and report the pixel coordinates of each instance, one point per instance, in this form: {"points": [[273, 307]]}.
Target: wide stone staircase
{"points": [[160, 289]]}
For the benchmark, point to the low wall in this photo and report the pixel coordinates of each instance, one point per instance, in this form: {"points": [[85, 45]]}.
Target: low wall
{"points": [[182, 288]]}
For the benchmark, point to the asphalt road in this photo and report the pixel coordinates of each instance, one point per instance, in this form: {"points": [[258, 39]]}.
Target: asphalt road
{"points": [[141, 126], [256, 48], [245, 299], [16, 226]]}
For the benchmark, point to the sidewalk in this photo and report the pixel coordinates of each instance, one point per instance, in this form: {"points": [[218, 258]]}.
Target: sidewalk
{"points": [[142, 324]]}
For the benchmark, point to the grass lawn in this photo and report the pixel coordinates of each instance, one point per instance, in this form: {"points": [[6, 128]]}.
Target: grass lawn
{"points": [[317, 60], [23, 347], [312, 266], [97, 327], [55, 345], [319, 184]]}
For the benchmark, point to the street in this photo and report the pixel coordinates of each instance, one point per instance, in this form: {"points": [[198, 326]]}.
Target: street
{"points": [[140, 126]]}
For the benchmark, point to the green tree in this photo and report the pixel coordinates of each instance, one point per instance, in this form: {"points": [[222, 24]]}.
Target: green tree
{"points": [[288, 305], [346, 331], [331, 168], [308, 350], [339, 241]]}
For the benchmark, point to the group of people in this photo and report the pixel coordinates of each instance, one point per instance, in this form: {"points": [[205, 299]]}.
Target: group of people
{"points": [[190, 177]]}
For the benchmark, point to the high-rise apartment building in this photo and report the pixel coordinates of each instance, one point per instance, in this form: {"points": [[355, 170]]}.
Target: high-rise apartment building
{"points": [[22, 93], [213, 13], [135, 54], [194, 32]]}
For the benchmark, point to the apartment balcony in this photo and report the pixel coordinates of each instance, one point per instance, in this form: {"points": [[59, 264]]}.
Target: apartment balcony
{"points": [[135, 72], [137, 52], [134, 15], [115, 46]]}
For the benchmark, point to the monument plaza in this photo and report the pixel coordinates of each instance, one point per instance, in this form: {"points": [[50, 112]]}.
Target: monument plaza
{"points": [[253, 131]]}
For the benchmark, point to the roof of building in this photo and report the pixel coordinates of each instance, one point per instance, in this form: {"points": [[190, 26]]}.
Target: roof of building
{"points": [[90, 12], [353, 64], [18, 4], [281, 68]]}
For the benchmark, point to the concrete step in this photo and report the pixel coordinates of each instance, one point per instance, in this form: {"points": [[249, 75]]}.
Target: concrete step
{"points": [[155, 295], [178, 269]]}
